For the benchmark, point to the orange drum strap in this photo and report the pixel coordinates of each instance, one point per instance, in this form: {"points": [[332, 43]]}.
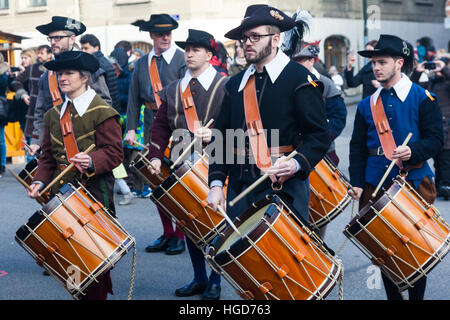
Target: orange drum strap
{"points": [[190, 112], [70, 142], [255, 128], [383, 129], [54, 90], [155, 80]]}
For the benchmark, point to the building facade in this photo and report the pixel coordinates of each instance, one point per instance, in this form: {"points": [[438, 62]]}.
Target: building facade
{"points": [[339, 24]]}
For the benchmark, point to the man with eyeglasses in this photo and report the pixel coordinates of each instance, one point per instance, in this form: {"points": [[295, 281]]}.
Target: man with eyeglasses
{"points": [[61, 33], [291, 112], [155, 70]]}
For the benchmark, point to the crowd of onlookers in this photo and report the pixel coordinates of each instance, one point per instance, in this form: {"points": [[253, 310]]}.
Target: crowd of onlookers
{"points": [[431, 72]]}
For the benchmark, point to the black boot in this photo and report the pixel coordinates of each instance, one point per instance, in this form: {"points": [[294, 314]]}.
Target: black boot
{"points": [[445, 192], [160, 244], [175, 246]]}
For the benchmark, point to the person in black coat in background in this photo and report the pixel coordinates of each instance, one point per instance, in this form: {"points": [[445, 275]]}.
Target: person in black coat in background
{"points": [[91, 44], [364, 76], [5, 79]]}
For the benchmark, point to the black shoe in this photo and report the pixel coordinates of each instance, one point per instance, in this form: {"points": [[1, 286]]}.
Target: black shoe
{"points": [[45, 273], [175, 246], [160, 244], [2, 169], [445, 192], [212, 292], [191, 289]]}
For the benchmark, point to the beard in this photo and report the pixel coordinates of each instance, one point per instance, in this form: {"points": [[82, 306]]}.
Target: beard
{"points": [[388, 77], [261, 55]]}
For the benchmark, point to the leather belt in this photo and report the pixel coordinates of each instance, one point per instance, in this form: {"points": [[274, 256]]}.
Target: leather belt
{"points": [[151, 105], [274, 151], [376, 152]]}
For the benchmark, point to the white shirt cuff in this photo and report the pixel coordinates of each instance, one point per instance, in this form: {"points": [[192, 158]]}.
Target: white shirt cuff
{"points": [[216, 183]]}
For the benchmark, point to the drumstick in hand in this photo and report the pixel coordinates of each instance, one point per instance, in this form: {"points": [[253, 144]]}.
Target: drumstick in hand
{"points": [[22, 182], [188, 149], [69, 167], [224, 214], [257, 182], [390, 167]]}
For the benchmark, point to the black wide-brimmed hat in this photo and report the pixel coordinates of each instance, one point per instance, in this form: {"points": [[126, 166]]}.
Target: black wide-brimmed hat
{"points": [[157, 23], [259, 15], [389, 45], [73, 60], [199, 38], [62, 23]]}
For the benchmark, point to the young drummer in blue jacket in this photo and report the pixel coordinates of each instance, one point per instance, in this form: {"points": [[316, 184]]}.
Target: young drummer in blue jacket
{"points": [[408, 108]]}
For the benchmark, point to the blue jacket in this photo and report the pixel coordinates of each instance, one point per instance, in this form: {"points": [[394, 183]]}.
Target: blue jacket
{"points": [[409, 108]]}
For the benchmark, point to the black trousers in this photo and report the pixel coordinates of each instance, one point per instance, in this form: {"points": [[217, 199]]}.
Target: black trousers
{"points": [[415, 293], [442, 168]]}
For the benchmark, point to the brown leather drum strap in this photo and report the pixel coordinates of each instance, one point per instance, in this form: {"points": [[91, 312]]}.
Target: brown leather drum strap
{"points": [[255, 128], [54, 90], [383, 129], [190, 113], [155, 80], [70, 142]]}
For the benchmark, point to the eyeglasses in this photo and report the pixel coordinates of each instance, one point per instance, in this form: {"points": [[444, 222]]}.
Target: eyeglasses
{"points": [[255, 37], [56, 38]]}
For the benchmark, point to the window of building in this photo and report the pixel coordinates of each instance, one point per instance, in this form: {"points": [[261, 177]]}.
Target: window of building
{"points": [[424, 2], [4, 4], [127, 2], [37, 3], [335, 51]]}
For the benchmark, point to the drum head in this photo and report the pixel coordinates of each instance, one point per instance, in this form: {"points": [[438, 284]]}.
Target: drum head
{"points": [[249, 225]]}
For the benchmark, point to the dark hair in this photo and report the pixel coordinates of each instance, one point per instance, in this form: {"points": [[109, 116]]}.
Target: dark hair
{"points": [[91, 39], [44, 47], [124, 44], [221, 53], [372, 43]]}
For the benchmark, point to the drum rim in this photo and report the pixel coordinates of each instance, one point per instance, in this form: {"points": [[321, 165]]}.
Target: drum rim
{"points": [[333, 213], [367, 214], [171, 180], [37, 218], [105, 266], [241, 245], [32, 164], [427, 266]]}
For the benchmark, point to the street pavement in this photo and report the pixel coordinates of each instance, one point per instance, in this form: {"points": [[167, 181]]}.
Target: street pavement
{"points": [[157, 275]]}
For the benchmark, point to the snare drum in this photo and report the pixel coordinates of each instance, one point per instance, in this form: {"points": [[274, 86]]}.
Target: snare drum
{"points": [[75, 239], [329, 194], [277, 257], [401, 233], [182, 196]]}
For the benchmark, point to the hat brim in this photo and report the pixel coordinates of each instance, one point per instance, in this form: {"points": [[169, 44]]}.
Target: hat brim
{"points": [[65, 64], [162, 28], [236, 33], [51, 27], [377, 53]]}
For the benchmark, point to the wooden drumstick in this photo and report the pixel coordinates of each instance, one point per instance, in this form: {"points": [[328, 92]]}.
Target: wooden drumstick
{"points": [[22, 182], [224, 214], [390, 167], [69, 167], [257, 182], [141, 145], [188, 149], [26, 145]]}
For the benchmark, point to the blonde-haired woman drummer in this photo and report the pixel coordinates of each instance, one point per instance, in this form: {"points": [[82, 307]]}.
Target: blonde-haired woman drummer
{"points": [[92, 121]]}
